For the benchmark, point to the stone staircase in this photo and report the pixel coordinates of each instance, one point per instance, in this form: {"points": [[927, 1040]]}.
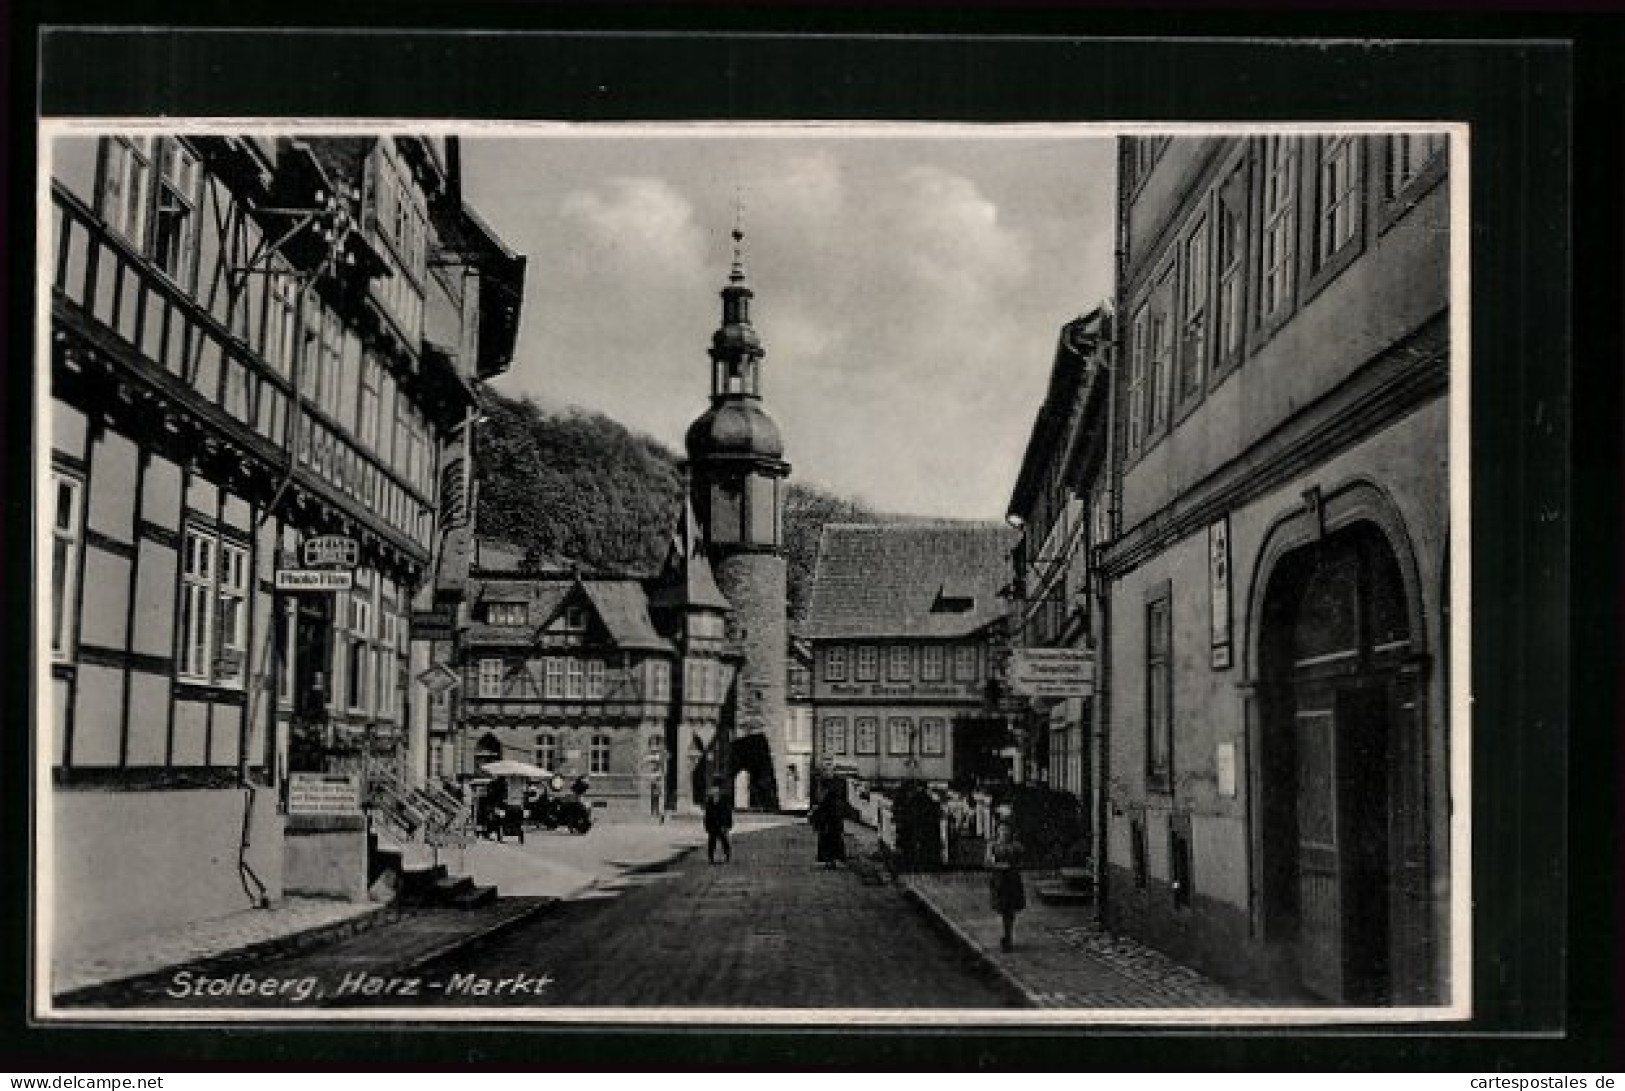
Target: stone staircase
{"points": [[411, 827]]}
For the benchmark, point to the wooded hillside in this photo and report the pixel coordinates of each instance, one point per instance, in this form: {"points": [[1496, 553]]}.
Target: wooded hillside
{"points": [[580, 486]]}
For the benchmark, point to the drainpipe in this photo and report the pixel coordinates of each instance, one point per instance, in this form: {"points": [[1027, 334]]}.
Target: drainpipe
{"points": [[1103, 673], [1103, 658]]}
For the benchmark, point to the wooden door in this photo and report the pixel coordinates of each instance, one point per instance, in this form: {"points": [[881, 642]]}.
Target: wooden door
{"points": [[1320, 871]]}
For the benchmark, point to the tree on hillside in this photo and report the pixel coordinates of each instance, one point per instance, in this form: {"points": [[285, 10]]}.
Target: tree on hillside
{"points": [[579, 487]]}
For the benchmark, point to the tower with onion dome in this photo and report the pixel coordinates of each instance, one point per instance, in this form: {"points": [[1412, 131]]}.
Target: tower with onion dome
{"points": [[737, 478]]}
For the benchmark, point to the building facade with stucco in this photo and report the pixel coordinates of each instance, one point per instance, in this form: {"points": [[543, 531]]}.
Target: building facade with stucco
{"points": [[1278, 745], [906, 625]]}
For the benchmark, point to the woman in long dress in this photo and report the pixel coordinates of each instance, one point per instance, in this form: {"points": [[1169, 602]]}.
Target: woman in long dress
{"points": [[1004, 879], [829, 819]]}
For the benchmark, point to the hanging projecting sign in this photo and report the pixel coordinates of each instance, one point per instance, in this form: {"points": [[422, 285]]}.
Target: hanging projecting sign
{"points": [[1218, 554], [439, 678], [330, 551], [1052, 672]]}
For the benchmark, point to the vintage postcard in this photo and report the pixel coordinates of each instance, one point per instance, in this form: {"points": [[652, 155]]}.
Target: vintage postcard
{"points": [[795, 573]]}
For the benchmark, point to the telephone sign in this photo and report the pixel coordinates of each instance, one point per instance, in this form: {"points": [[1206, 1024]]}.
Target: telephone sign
{"points": [[330, 551]]}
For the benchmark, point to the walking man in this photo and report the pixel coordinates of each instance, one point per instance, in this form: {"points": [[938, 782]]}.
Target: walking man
{"points": [[654, 799], [719, 819]]}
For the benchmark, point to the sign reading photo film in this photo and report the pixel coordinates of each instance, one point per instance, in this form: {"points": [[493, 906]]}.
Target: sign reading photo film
{"points": [[1218, 566]]}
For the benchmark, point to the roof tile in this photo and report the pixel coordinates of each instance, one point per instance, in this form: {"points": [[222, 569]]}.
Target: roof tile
{"points": [[933, 579]]}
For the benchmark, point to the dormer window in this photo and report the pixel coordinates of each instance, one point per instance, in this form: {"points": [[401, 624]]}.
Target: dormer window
{"points": [[505, 613], [573, 619], [953, 601]]}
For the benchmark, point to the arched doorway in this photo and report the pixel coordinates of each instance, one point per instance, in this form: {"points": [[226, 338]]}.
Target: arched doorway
{"points": [[487, 750], [1340, 779], [753, 755]]}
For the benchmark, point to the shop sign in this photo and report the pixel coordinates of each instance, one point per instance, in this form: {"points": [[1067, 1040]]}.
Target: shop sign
{"points": [[434, 624], [313, 579], [330, 551], [324, 793], [882, 690], [1218, 551], [1052, 672], [439, 678]]}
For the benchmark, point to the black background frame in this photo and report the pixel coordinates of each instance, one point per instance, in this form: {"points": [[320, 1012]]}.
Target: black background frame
{"points": [[1541, 96]]}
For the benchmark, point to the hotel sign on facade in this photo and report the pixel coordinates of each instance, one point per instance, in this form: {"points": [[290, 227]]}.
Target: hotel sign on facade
{"points": [[956, 691], [1052, 672]]}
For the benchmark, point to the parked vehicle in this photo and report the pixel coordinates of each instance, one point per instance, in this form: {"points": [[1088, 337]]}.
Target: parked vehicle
{"points": [[551, 811]]}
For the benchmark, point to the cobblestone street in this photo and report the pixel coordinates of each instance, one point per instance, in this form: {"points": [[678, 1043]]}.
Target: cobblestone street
{"points": [[771, 929]]}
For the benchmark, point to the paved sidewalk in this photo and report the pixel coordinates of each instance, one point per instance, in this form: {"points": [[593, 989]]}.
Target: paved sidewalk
{"points": [[1062, 958], [286, 926]]}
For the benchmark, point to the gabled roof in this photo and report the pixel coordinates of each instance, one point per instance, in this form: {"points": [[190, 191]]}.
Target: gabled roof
{"points": [[624, 609], [620, 606], [935, 579]]}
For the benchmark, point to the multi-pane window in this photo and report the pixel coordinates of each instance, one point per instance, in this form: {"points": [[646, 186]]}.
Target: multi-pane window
{"points": [[360, 667], [214, 595], [127, 188], [1158, 692], [1408, 155], [68, 494], [900, 735], [659, 680], [553, 677], [1337, 196], [933, 736], [931, 664], [371, 384], [1232, 283], [547, 750], [965, 663], [835, 664], [1139, 357], [868, 663], [174, 226], [231, 649], [575, 678], [1193, 310], [490, 678], [1159, 374], [866, 735], [281, 321], [835, 735], [1142, 156], [388, 664], [290, 647], [598, 754], [595, 678], [506, 613], [1280, 225], [899, 663]]}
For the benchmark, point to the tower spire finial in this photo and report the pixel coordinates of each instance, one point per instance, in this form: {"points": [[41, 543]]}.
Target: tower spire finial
{"points": [[737, 274]]}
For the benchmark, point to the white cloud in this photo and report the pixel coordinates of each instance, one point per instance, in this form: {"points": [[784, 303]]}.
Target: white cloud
{"points": [[639, 226], [908, 296]]}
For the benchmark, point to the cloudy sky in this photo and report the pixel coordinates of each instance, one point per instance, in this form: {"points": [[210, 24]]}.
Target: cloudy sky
{"points": [[910, 286]]}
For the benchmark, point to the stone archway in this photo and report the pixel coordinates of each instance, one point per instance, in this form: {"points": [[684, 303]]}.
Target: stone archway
{"points": [[1343, 829]]}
